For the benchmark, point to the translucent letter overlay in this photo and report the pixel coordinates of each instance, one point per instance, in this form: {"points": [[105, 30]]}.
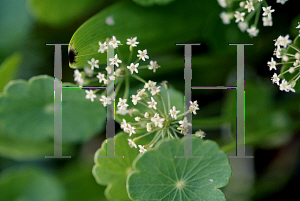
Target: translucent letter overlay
{"points": [[188, 97], [110, 118], [57, 101], [240, 105], [240, 90]]}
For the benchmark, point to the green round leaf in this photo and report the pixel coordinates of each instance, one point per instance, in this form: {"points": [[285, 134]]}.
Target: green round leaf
{"points": [[74, 175], [58, 13], [158, 175], [29, 184], [8, 69], [27, 112], [156, 28], [113, 171], [25, 150]]}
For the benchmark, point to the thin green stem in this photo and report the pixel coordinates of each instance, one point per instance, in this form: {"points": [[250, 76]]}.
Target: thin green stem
{"points": [[294, 47], [147, 106], [118, 86], [174, 131], [258, 10], [169, 99], [136, 138], [127, 85], [138, 78], [130, 56], [158, 133], [294, 78], [163, 101]]}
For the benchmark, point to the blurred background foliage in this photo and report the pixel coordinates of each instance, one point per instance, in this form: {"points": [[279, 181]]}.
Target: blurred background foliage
{"points": [[272, 117]]}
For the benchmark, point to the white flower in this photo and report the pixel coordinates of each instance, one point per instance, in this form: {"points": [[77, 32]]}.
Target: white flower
{"points": [[93, 63], [275, 79], [108, 70], [146, 115], [152, 103], [124, 124], [149, 85], [261, 0], [135, 99], [285, 41], [101, 77], [132, 42], [225, 17], [173, 112], [77, 75], [284, 86], [298, 27], [194, 106], [88, 71], [243, 26], [291, 70], [272, 64], [105, 101], [131, 129], [183, 125], [137, 118], [285, 58], [200, 133], [290, 88], [158, 122], [278, 41], [267, 21], [114, 42], [142, 149], [140, 92], [239, 16], [102, 47], [222, 3], [143, 54], [253, 31], [90, 95], [131, 143], [153, 66], [112, 77], [249, 6], [149, 127], [80, 81], [122, 103], [277, 52], [133, 67], [281, 1], [115, 60], [267, 11], [122, 111], [155, 90]]}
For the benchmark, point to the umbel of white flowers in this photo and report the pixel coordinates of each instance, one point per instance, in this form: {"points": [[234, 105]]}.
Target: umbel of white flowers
{"points": [[247, 14], [282, 43], [164, 122], [131, 69]]}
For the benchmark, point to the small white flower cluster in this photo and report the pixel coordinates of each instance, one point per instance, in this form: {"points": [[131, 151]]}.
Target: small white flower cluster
{"points": [[160, 120], [288, 58], [250, 7], [123, 70]]}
